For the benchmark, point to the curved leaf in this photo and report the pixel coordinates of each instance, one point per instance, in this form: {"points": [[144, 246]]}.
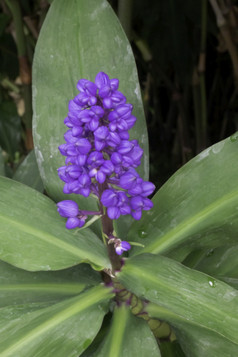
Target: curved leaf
{"points": [[18, 286], [63, 329], [192, 295], [221, 263], [197, 206], [128, 336], [33, 235], [79, 38], [195, 341], [28, 173]]}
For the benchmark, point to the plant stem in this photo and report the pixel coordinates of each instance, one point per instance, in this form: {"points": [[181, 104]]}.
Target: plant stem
{"points": [[107, 227], [226, 34], [14, 7]]}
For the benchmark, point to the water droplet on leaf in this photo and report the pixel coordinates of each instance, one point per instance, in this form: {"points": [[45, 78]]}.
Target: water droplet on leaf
{"points": [[212, 283], [142, 234]]}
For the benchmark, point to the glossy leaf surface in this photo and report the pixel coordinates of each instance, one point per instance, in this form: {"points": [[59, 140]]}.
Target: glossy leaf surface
{"points": [[128, 336], [62, 329], [18, 286], [195, 341], [79, 38], [28, 173], [197, 206], [221, 263], [197, 297], [33, 235]]}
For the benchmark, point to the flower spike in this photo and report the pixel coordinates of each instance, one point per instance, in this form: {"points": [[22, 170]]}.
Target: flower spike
{"points": [[100, 157]]}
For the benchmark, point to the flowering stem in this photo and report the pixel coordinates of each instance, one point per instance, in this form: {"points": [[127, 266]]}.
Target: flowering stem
{"points": [[107, 226], [101, 160]]}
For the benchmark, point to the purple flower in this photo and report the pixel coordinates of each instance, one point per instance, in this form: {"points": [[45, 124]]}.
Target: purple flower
{"points": [[100, 137], [83, 146], [130, 179], [117, 203], [109, 198], [122, 246], [99, 157], [88, 92], [139, 203], [102, 80], [69, 209], [75, 222]]}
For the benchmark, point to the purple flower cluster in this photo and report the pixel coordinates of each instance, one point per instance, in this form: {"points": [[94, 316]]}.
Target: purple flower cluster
{"points": [[100, 157]]}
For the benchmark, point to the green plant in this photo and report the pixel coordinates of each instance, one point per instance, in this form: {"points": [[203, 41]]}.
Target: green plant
{"points": [[60, 294]]}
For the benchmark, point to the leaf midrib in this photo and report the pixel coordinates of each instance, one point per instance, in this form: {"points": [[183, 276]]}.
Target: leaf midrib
{"points": [[148, 276], [118, 330], [164, 243], [49, 238], [67, 288], [90, 298]]}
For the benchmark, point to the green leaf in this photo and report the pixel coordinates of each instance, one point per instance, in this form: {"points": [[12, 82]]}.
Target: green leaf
{"points": [[196, 206], [28, 173], [33, 235], [62, 329], [221, 263], [195, 341], [171, 349], [18, 286], [194, 296], [128, 336], [79, 38]]}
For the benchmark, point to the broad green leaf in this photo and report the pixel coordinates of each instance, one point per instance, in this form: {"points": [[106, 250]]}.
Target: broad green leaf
{"points": [[18, 286], [28, 173], [33, 235], [195, 341], [128, 336], [196, 297], [221, 263], [63, 329], [197, 206], [192, 259], [79, 38], [104, 330]]}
